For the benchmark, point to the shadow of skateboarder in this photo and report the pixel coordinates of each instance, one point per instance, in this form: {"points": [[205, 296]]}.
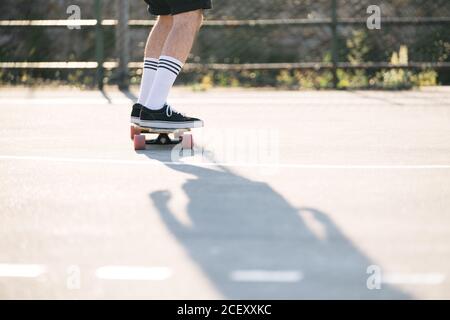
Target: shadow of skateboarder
{"points": [[252, 244]]}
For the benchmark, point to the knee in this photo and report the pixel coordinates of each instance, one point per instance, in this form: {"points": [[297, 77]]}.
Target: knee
{"points": [[191, 20]]}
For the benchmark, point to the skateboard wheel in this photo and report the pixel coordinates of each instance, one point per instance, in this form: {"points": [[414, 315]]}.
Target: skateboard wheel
{"points": [[139, 142], [134, 131], [188, 142]]}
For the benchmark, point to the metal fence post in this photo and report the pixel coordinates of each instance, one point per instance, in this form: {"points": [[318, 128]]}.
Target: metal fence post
{"points": [[334, 43], [123, 44], [99, 44]]}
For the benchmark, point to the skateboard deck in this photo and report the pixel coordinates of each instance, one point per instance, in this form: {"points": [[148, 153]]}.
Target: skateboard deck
{"points": [[138, 135]]}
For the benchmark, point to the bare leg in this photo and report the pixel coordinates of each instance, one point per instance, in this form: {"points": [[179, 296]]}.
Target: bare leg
{"points": [[181, 38], [174, 54], [157, 37], [153, 48]]}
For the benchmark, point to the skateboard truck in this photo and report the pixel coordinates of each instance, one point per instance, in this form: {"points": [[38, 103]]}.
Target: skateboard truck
{"points": [[138, 135], [163, 139]]}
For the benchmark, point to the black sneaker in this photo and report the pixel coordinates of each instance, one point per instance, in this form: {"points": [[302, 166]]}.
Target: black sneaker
{"points": [[167, 118], [135, 114]]}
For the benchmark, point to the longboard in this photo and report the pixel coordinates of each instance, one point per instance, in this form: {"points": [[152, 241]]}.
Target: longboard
{"points": [[138, 135]]}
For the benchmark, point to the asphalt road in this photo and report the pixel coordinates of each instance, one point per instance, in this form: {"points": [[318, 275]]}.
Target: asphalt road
{"points": [[287, 195]]}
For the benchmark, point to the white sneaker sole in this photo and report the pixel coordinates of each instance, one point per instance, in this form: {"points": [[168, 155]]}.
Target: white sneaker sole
{"points": [[135, 120], [171, 124]]}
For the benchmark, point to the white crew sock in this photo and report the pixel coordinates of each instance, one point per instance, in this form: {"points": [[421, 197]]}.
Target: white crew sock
{"points": [[168, 70], [148, 75]]}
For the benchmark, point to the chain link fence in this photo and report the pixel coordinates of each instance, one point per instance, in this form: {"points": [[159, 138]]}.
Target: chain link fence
{"points": [[283, 43]]}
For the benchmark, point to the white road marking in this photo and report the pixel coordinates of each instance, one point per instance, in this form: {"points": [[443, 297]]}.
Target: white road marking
{"points": [[220, 164], [133, 273], [125, 101], [414, 278], [297, 101], [62, 101], [266, 276], [21, 270]]}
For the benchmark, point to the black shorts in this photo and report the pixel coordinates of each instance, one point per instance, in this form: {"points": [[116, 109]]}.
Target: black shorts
{"points": [[172, 7]]}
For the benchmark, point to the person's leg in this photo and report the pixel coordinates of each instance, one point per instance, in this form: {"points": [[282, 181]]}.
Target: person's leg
{"points": [[181, 38], [174, 54], [153, 49]]}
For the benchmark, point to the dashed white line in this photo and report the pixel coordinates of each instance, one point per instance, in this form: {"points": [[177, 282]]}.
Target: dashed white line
{"points": [[414, 278], [133, 273], [266, 276], [9, 270]]}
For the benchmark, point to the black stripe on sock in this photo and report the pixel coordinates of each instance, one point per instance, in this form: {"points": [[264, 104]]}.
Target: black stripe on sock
{"points": [[151, 68], [171, 62], [169, 66], [150, 65], [164, 67]]}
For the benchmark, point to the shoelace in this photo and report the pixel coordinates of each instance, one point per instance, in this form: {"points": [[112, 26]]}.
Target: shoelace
{"points": [[170, 111]]}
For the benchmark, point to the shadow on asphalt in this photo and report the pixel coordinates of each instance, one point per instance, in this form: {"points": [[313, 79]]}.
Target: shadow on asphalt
{"points": [[129, 95], [240, 224]]}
